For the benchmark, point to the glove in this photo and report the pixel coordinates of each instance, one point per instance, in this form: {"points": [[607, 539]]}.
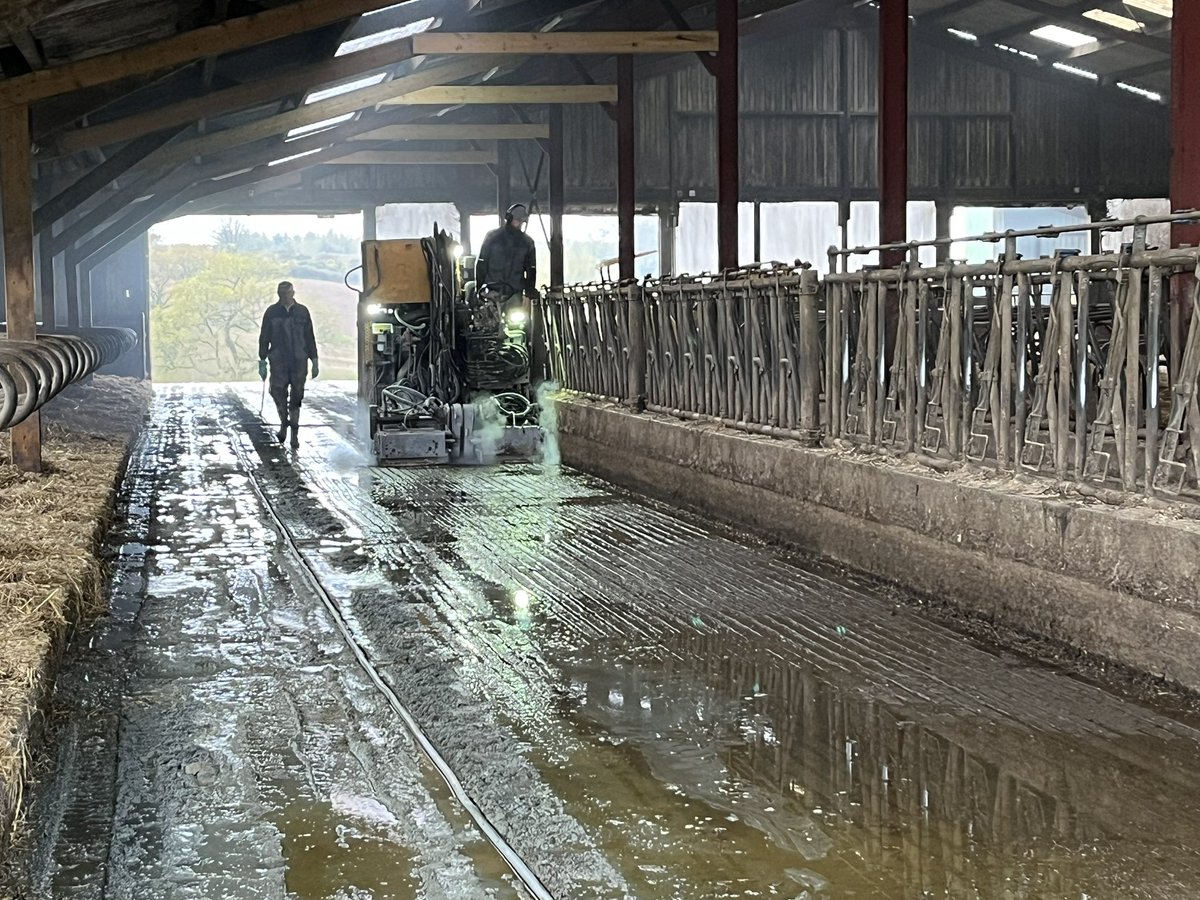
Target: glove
{"points": [[316, 369], [262, 369]]}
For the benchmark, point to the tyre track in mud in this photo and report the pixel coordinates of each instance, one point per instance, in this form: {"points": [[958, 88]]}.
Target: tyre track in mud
{"points": [[251, 758], [390, 623]]}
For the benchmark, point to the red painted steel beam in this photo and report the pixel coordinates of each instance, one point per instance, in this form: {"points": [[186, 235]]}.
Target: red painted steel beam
{"points": [[1185, 116], [625, 172], [727, 134], [893, 125]]}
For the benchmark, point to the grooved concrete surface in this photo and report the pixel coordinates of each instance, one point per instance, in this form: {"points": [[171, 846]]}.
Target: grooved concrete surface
{"points": [[645, 703]]}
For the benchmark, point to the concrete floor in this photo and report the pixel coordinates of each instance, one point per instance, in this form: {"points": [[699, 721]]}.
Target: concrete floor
{"points": [[646, 705]]}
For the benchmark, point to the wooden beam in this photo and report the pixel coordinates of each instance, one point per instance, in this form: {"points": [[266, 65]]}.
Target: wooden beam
{"points": [[471, 94], [137, 220], [419, 158], [212, 40], [243, 96], [16, 206], [449, 132], [575, 43], [313, 113], [98, 178]]}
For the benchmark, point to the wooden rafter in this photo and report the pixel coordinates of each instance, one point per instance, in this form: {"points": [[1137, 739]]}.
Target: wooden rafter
{"points": [[453, 132], [575, 43], [212, 40], [311, 114], [419, 157], [231, 99], [453, 95], [182, 189]]}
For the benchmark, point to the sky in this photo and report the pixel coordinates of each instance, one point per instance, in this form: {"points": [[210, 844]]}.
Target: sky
{"points": [[199, 229]]}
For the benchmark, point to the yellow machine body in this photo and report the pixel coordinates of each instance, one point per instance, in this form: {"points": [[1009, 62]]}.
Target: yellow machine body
{"points": [[395, 271]]}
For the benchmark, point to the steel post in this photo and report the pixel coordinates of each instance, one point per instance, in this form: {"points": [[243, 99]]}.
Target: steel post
{"points": [[557, 200], [626, 178], [893, 126], [727, 135]]}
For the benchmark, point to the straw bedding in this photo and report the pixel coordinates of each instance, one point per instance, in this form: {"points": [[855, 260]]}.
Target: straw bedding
{"points": [[51, 576]]}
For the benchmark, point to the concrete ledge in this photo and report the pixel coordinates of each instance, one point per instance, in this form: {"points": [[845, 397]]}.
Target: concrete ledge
{"points": [[1120, 583]]}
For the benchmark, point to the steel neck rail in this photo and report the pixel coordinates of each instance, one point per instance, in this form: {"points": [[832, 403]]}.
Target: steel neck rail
{"points": [[1057, 366]]}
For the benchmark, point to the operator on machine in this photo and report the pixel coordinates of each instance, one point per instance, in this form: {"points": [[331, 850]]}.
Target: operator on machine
{"points": [[507, 260], [287, 340]]}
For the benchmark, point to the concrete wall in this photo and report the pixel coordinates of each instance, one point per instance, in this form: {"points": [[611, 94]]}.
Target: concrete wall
{"points": [[1120, 583]]}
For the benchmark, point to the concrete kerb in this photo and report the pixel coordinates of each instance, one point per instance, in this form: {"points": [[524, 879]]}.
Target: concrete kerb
{"points": [[1118, 583]]}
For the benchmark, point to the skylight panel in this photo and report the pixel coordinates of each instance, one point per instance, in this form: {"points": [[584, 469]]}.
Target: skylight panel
{"points": [[326, 93], [965, 35], [387, 36], [281, 160], [1025, 54], [1141, 92], [313, 128], [1075, 70], [1062, 36]]}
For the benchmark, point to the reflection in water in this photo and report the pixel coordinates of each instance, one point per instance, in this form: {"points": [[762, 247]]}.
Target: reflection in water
{"points": [[754, 724], [873, 802], [341, 849]]}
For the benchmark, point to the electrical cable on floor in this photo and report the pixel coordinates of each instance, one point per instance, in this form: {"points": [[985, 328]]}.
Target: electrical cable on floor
{"points": [[521, 869]]}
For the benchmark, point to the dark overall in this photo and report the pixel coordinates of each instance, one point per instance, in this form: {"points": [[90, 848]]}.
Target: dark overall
{"points": [[288, 343], [507, 261]]}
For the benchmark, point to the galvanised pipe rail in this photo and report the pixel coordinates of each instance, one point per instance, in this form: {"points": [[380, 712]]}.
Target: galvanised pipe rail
{"points": [[1189, 216], [1053, 366], [32, 373]]}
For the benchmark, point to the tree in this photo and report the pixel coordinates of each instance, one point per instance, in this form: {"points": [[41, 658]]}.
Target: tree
{"points": [[208, 329], [171, 264], [232, 234]]}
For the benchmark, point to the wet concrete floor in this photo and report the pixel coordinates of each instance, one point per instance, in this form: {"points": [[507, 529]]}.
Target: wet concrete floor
{"points": [[645, 704]]}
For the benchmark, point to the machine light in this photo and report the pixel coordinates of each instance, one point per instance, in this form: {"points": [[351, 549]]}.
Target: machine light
{"points": [[517, 317], [458, 250], [374, 309]]}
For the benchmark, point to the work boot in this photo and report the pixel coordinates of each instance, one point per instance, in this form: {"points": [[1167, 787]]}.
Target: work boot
{"points": [[295, 436], [281, 435]]}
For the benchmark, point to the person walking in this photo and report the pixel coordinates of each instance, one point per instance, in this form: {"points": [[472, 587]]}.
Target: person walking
{"points": [[287, 341]]}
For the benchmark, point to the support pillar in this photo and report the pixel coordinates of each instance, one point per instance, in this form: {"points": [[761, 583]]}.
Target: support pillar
{"points": [[503, 176], [16, 205], [943, 211], [626, 179], [464, 228], [370, 225], [626, 183], [71, 294], [1185, 160], [668, 219], [46, 280], [758, 254], [727, 134], [557, 198], [1097, 210], [85, 291], [1185, 117], [893, 126]]}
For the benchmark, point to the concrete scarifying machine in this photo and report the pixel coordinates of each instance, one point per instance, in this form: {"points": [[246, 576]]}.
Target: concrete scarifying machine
{"points": [[444, 364]]}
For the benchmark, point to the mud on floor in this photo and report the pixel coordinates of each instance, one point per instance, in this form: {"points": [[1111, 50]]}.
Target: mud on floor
{"points": [[51, 525]]}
